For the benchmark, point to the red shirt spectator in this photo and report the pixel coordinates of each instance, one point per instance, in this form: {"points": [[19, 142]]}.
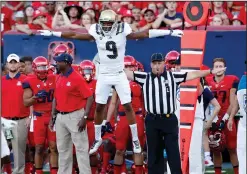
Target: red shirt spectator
{"points": [[37, 4], [237, 20], [39, 19], [242, 15], [137, 14], [74, 12], [7, 22], [28, 14], [146, 22], [39, 23], [180, 6], [71, 91], [50, 7], [235, 6], [16, 5]]}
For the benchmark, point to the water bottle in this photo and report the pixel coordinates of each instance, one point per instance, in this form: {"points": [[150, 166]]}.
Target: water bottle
{"points": [[8, 134]]}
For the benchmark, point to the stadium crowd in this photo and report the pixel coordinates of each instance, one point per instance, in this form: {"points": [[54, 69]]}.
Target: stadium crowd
{"points": [[27, 16]]}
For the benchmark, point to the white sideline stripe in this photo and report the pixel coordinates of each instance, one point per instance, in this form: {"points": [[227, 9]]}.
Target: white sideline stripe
{"points": [[186, 108], [191, 52], [184, 127]]}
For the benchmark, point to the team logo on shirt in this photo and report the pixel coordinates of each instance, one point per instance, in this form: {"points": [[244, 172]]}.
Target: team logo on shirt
{"points": [[68, 84], [18, 83], [38, 86]]}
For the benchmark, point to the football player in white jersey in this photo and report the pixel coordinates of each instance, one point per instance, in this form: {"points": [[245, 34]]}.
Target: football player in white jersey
{"points": [[110, 37]]}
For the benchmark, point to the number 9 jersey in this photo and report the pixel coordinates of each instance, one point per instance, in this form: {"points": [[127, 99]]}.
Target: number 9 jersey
{"points": [[37, 86], [111, 48]]}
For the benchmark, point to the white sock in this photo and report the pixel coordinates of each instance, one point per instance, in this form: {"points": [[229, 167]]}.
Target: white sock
{"points": [[206, 154], [97, 129], [133, 128]]}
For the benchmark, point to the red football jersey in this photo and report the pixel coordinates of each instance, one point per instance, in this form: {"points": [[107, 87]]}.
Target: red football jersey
{"points": [[222, 89], [136, 95], [92, 86], [36, 85], [6, 19]]}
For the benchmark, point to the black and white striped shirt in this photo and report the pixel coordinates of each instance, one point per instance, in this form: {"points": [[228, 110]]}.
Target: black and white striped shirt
{"points": [[160, 91]]}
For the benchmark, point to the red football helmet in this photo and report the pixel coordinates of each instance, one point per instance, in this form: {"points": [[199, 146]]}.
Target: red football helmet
{"points": [[40, 67], [217, 141], [87, 69], [140, 67], [172, 59], [129, 61], [62, 48]]}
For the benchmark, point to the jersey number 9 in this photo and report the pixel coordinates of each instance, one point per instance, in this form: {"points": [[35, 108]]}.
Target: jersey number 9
{"points": [[48, 98], [111, 46]]}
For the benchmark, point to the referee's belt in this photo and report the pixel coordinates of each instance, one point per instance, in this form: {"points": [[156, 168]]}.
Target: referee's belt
{"points": [[124, 114], [64, 113], [160, 115]]}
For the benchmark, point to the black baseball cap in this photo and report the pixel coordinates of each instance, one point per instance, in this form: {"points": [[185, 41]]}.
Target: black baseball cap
{"points": [[157, 57]]}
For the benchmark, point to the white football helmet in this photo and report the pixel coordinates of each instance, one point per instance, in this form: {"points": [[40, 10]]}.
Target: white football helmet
{"points": [[108, 21]]}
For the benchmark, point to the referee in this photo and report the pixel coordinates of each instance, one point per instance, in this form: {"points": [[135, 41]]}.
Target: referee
{"points": [[159, 90]]}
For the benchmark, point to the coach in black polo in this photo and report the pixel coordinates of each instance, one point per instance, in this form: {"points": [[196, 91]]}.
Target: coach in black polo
{"points": [[159, 90]]}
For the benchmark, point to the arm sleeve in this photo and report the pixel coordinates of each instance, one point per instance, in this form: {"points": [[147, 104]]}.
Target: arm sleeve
{"points": [[84, 88], [127, 29], [179, 77], [140, 77], [235, 83], [26, 84]]}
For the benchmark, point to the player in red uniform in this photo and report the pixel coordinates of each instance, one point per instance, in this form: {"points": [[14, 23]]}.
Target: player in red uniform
{"points": [[88, 72], [122, 131], [38, 92], [224, 88]]}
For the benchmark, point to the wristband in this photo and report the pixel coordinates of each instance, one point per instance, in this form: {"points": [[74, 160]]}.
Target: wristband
{"points": [[57, 33]]}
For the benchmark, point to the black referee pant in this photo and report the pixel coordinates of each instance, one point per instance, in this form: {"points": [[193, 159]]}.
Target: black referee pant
{"points": [[162, 131]]}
